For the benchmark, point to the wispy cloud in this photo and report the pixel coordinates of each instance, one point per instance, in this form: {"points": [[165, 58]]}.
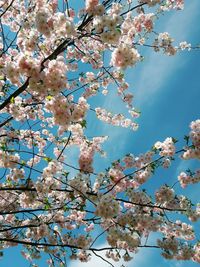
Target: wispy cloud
{"points": [[154, 77], [138, 258], [151, 80], [158, 68]]}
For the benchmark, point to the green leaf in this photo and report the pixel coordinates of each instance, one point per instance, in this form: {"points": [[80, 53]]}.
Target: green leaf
{"points": [[23, 162], [47, 159], [83, 123], [154, 149], [65, 208], [49, 97], [12, 100], [174, 140], [82, 208], [118, 29], [112, 178], [47, 206], [3, 147], [121, 75]]}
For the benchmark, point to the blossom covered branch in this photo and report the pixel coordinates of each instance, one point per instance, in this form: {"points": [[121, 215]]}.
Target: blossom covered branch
{"points": [[56, 58]]}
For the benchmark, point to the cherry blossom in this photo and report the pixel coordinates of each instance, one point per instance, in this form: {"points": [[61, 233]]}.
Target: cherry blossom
{"points": [[56, 62]]}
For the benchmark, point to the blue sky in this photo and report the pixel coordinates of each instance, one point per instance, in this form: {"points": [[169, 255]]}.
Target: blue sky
{"points": [[166, 92]]}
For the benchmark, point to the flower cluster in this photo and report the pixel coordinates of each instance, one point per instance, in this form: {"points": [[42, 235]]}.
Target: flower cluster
{"points": [[64, 112], [107, 26], [196, 256], [115, 119], [83, 256], [43, 23], [195, 133], [122, 239], [174, 250], [91, 4], [170, 244], [186, 252], [15, 175], [28, 200], [184, 45], [80, 109], [139, 161], [55, 76], [164, 194], [79, 184], [87, 151], [150, 2], [173, 4], [98, 181], [124, 56], [63, 26], [193, 152], [164, 41], [8, 160], [186, 179], [167, 148], [107, 207], [194, 215], [44, 94], [38, 232], [138, 197]]}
